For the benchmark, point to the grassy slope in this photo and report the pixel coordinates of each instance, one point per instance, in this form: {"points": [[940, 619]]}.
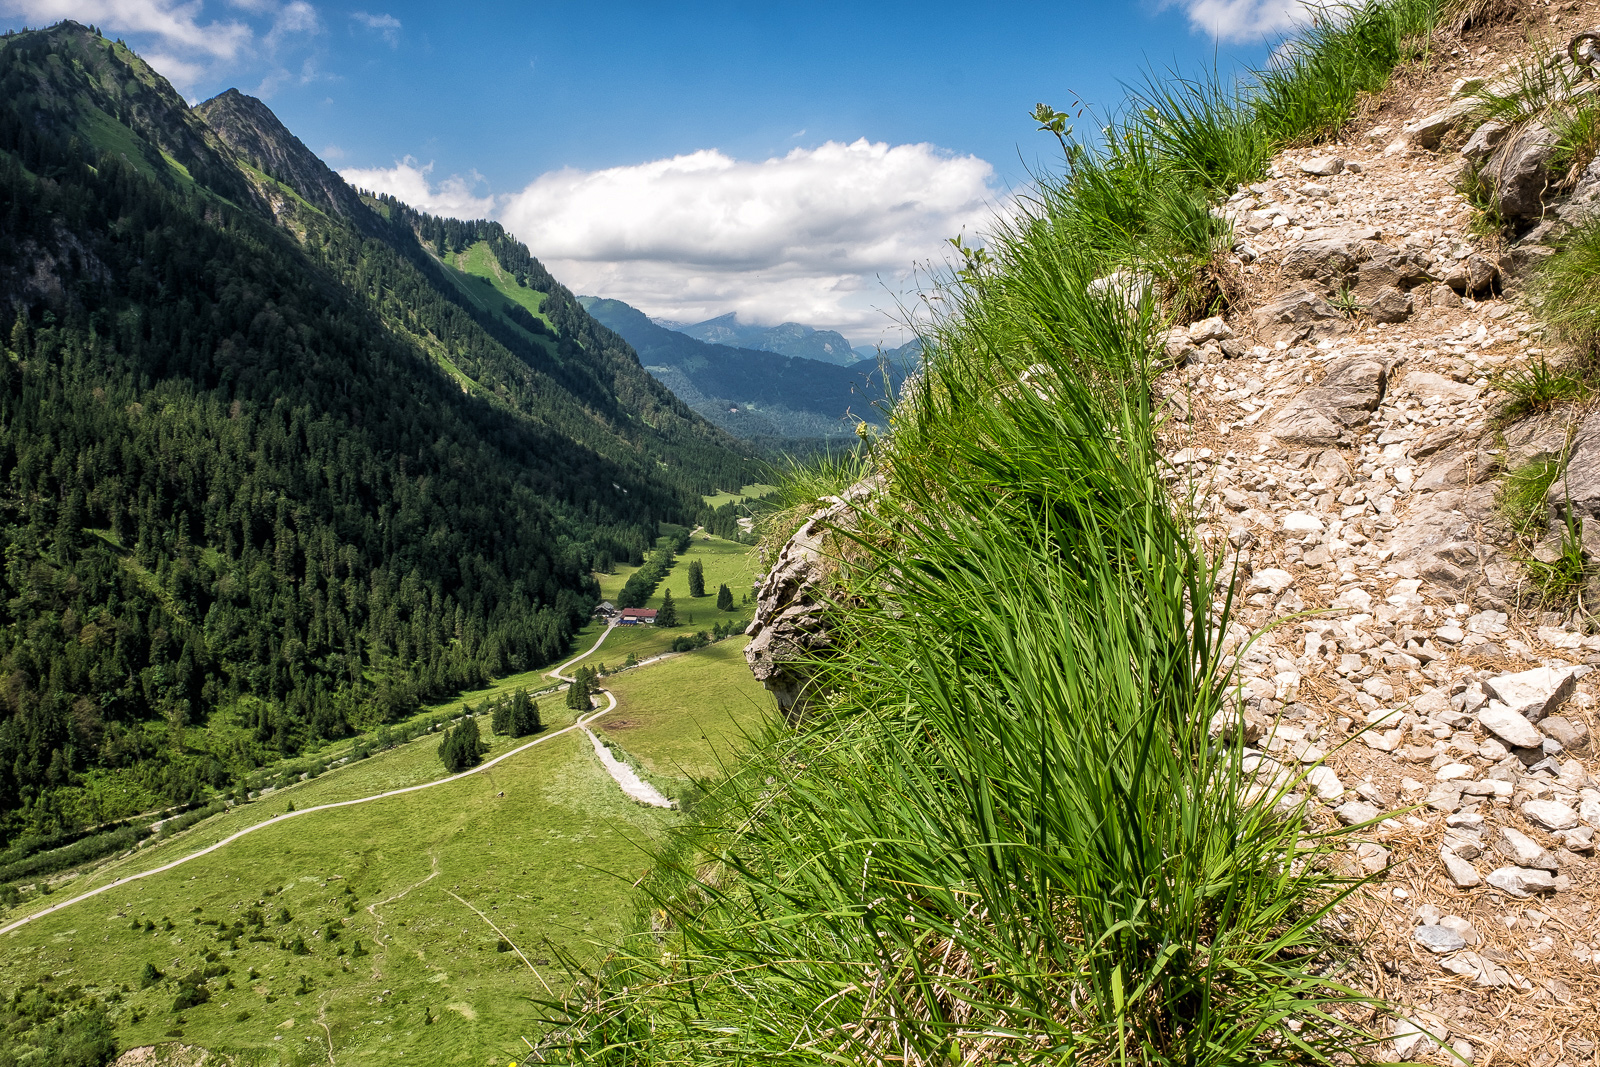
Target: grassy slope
{"points": [[564, 853], [724, 562], [690, 717], [749, 492]]}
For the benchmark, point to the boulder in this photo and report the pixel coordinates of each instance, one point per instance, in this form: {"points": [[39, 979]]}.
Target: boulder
{"points": [[790, 626], [1297, 315], [1484, 140], [1581, 484], [1391, 305], [1429, 130], [1390, 268], [1425, 384], [1584, 203], [1130, 288], [1470, 275], [1536, 693], [1518, 172], [1350, 391]]}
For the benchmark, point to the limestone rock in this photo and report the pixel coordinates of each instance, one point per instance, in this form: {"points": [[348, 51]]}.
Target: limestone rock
{"points": [[1484, 140], [1212, 329], [1350, 391], [1474, 274], [1269, 580], [1523, 850], [1296, 315], [1439, 939], [1510, 727], [1581, 483], [1391, 305], [790, 625], [1550, 814], [1483, 971], [1521, 882], [1357, 811], [1572, 733], [1323, 166], [1429, 130], [1536, 693], [1519, 171], [1425, 385], [1463, 875]]}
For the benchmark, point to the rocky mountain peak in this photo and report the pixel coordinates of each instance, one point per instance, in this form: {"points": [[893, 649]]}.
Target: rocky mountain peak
{"points": [[249, 127]]}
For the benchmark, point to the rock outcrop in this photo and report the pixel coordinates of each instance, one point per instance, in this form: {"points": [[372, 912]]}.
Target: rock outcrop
{"points": [[790, 627]]}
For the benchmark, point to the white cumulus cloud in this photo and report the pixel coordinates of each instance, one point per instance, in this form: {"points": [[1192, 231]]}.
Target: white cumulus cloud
{"points": [[453, 196], [828, 236], [176, 24], [1244, 20]]}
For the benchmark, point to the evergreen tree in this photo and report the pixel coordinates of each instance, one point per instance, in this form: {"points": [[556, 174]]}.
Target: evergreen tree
{"points": [[578, 692], [697, 579], [724, 598], [522, 715], [461, 747], [667, 614]]}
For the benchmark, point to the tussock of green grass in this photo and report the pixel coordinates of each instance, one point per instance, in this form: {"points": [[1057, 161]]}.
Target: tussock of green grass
{"points": [[1006, 835], [1565, 293], [1522, 497]]}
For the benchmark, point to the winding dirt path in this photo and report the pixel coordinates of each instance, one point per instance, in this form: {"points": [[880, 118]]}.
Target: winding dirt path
{"points": [[581, 725], [625, 776]]}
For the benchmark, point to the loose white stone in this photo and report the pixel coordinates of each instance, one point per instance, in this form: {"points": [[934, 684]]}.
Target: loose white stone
{"points": [[1521, 882], [1356, 811], [1325, 782], [1451, 771], [1463, 874], [1523, 850], [1466, 930], [1510, 727], [1270, 580], [1439, 939], [1536, 693], [1550, 814], [1301, 523]]}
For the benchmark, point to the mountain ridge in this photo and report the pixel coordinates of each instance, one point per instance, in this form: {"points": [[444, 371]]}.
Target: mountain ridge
{"points": [[754, 392], [269, 467]]}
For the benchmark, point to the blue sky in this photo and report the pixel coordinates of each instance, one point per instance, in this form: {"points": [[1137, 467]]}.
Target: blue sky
{"points": [[788, 161]]}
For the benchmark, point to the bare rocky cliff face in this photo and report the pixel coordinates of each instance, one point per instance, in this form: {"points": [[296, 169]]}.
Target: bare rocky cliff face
{"points": [[250, 128], [1340, 429]]}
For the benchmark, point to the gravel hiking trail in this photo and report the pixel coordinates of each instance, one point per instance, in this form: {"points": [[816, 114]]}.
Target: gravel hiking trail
{"points": [[625, 776]]}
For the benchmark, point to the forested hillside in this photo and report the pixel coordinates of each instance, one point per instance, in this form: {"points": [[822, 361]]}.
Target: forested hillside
{"points": [[265, 465]]}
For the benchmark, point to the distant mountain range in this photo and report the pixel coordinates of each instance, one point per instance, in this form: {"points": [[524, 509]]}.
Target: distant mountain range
{"points": [[786, 339], [758, 392]]}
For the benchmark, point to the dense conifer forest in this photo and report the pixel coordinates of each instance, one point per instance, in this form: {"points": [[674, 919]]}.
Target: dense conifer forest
{"points": [[263, 467]]}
